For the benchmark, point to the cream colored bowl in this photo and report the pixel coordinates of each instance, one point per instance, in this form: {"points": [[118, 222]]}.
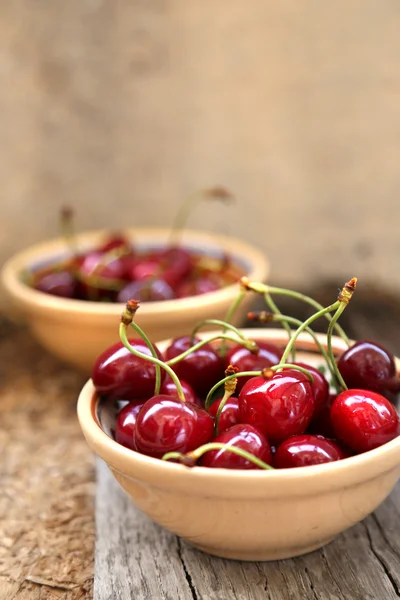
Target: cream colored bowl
{"points": [[249, 515], [77, 330]]}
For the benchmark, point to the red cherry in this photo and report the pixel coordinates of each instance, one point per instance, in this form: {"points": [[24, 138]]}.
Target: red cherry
{"points": [[114, 242], [364, 420], [165, 424], [176, 263], [201, 285], [320, 387], [119, 374], [279, 407], [240, 436], [142, 268], [58, 283], [125, 424], [201, 369], [229, 415], [305, 450], [146, 290], [93, 265], [168, 388], [267, 356], [369, 366]]}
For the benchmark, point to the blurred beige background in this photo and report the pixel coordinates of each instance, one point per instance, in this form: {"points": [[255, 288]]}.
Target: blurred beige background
{"points": [[122, 107]]}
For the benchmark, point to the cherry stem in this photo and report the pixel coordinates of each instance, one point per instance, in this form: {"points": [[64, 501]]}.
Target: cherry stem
{"points": [[96, 281], [235, 305], [273, 307], [109, 283], [265, 317], [230, 388], [262, 288], [224, 380], [334, 366], [155, 361], [262, 373], [191, 457], [219, 323], [150, 346], [344, 297], [68, 229], [215, 193], [248, 344], [304, 326], [230, 314]]}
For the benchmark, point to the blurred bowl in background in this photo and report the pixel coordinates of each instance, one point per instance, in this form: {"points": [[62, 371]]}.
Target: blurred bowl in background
{"points": [[77, 331]]}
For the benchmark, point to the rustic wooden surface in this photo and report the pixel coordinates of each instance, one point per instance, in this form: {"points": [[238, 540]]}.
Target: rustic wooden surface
{"points": [[47, 514], [137, 559], [46, 476]]}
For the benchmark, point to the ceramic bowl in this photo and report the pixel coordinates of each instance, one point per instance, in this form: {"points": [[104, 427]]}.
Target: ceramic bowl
{"points": [[248, 515], [77, 331]]}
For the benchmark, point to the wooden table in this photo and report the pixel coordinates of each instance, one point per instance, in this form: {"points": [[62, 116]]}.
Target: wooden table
{"points": [[47, 533], [137, 559], [46, 476]]}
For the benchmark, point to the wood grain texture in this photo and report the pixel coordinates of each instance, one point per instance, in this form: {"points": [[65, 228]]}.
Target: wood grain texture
{"points": [[136, 558], [46, 476]]}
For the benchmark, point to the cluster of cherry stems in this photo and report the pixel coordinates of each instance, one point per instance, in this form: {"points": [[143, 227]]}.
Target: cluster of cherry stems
{"points": [[269, 411]]}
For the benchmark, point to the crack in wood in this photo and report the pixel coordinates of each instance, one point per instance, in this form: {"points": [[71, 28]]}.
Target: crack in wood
{"points": [[381, 561], [310, 581], [328, 567], [185, 569], [265, 579], [375, 518]]}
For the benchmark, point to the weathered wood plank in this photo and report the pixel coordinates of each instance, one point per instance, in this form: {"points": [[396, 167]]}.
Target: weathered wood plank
{"points": [[134, 558], [137, 559]]}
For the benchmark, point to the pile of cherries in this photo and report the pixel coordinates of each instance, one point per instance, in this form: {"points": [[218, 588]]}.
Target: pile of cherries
{"points": [[116, 270], [231, 402]]}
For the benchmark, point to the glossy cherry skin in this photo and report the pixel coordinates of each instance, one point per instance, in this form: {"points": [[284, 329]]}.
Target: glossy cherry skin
{"points": [[320, 387], [229, 415], [278, 407], [201, 369], [150, 290], [241, 436], [90, 266], [169, 389], [125, 424], [139, 268], [364, 420], [58, 283], [267, 356], [176, 265], [117, 373], [369, 366], [305, 450], [165, 424]]}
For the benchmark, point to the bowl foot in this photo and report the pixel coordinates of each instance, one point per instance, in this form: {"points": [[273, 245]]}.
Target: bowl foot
{"points": [[263, 554]]}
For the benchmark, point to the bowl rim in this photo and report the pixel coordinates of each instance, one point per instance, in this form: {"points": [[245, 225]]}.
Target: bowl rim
{"points": [[259, 268], [136, 465]]}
